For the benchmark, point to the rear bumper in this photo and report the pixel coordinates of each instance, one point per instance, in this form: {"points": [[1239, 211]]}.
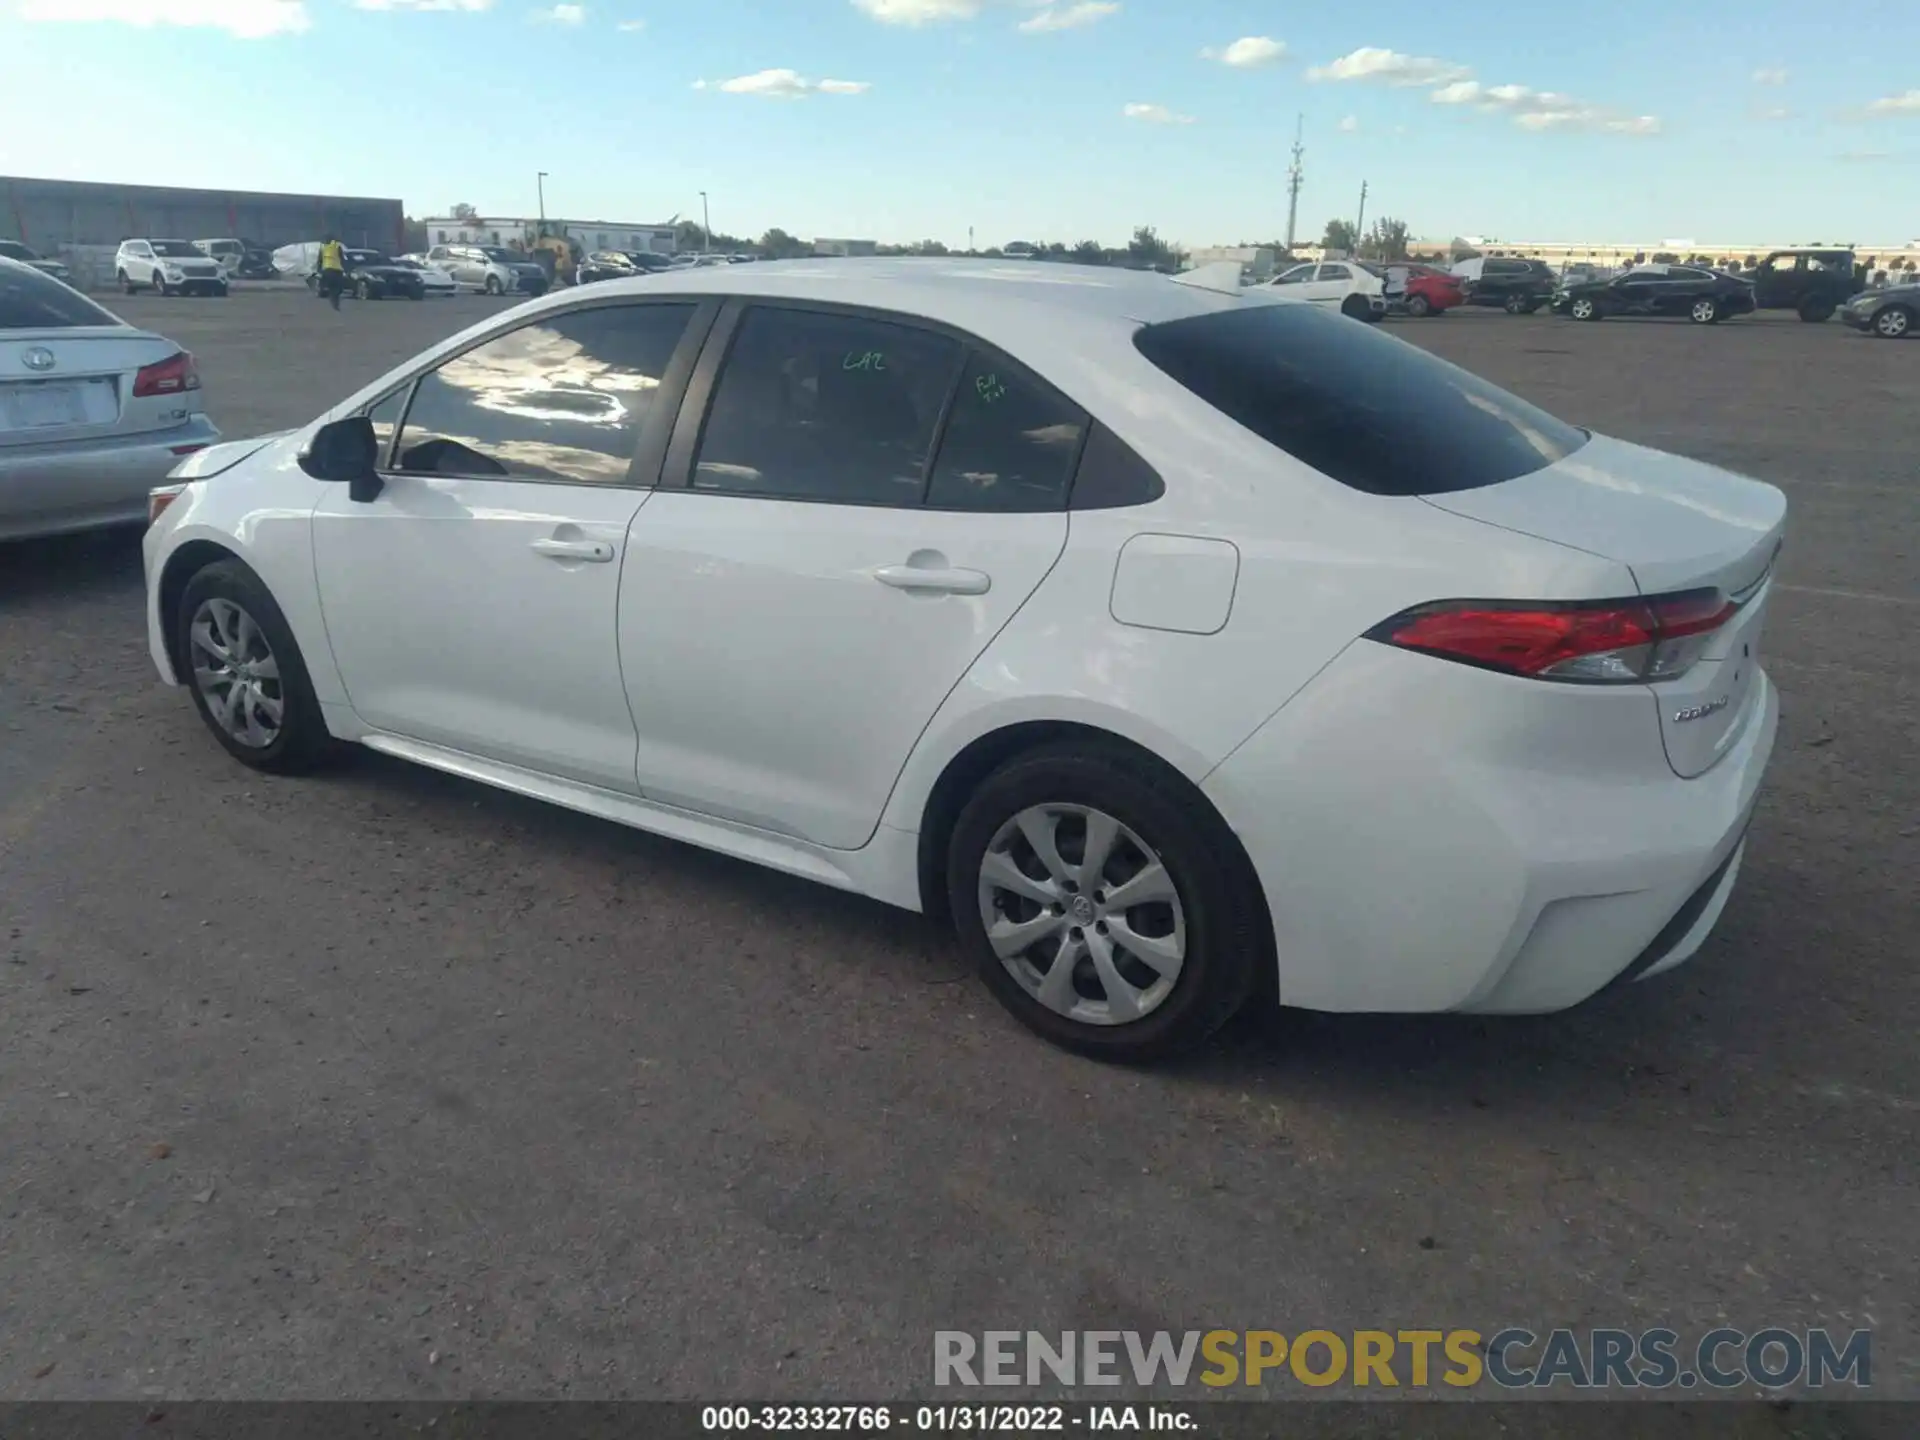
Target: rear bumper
{"points": [[1428, 843], [49, 490]]}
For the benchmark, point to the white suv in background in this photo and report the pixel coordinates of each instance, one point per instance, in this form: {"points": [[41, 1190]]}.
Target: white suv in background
{"points": [[172, 267], [1351, 289]]}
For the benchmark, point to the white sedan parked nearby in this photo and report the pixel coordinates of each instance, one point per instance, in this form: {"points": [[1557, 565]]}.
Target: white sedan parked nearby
{"points": [[93, 413], [1353, 290], [1181, 644], [438, 282]]}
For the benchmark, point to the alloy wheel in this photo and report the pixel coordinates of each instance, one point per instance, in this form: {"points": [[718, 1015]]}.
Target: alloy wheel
{"points": [[1083, 914], [1703, 311], [1583, 309], [1891, 322], [236, 672]]}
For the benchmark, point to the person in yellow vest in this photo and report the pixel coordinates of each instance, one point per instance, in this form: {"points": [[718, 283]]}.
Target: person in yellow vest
{"points": [[333, 270]]}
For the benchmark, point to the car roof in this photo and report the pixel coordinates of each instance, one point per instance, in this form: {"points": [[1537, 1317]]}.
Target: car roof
{"points": [[998, 302]]}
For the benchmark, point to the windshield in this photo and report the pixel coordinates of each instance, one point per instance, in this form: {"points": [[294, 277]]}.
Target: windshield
{"points": [[178, 248], [1372, 412], [30, 300]]}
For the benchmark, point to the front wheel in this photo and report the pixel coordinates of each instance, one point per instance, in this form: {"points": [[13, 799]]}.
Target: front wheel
{"points": [[1584, 309], [362, 290], [1419, 306], [1107, 910], [1894, 323], [493, 285], [1705, 310], [238, 657]]}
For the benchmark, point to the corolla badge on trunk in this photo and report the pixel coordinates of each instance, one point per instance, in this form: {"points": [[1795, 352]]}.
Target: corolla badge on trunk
{"points": [[1700, 712], [37, 357]]}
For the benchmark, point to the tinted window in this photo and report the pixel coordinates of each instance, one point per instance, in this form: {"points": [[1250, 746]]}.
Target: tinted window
{"points": [[826, 407], [1335, 272], [179, 248], [1363, 408], [563, 399], [385, 415], [1505, 267], [1010, 442], [1684, 272], [30, 300]]}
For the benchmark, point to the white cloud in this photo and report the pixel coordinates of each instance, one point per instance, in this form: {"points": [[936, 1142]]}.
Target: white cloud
{"points": [[1907, 104], [562, 15], [1532, 109], [1247, 52], [246, 19], [1774, 112], [784, 85], [918, 12], [1350, 124], [1772, 75], [423, 4], [631, 27], [1156, 115], [1370, 62], [1069, 17]]}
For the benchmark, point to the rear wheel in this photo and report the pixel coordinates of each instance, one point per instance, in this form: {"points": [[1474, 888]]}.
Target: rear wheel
{"points": [[1894, 323], [249, 683], [1355, 307], [1704, 311], [1815, 312], [1517, 305], [1109, 911], [1419, 306]]}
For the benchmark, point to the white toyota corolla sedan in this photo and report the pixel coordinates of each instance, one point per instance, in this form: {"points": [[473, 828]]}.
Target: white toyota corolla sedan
{"points": [[1181, 643]]}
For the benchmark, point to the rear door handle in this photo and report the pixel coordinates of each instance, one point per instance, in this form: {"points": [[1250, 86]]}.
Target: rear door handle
{"points": [[594, 552], [942, 581]]}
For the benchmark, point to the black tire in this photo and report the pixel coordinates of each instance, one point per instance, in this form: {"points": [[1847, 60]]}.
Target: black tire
{"points": [[160, 284], [1419, 307], [362, 290], [1704, 311], [1515, 305], [1224, 916], [1816, 312], [303, 741], [493, 285], [127, 287], [1895, 322], [1355, 307], [1593, 309]]}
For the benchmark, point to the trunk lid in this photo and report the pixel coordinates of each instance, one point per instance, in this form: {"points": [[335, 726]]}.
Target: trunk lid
{"points": [[1676, 524], [76, 383]]}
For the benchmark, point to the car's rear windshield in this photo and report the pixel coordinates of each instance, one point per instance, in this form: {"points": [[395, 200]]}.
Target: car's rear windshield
{"points": [[30, 300], [1372, 412]]}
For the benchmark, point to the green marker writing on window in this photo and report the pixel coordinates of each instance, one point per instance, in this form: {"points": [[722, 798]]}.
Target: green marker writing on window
{"points": [[864, 360], [988, 388]]}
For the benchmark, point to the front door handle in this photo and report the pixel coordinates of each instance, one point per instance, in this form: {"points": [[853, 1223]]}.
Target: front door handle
{"points": [[594, 552], [939, 580]]}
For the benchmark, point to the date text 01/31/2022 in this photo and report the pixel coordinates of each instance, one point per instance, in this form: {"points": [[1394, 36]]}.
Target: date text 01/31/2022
{"points": [[939, 1419]]}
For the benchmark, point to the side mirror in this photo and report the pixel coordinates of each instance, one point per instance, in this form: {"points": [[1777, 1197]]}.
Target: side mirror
{"points": [[346, 450]]}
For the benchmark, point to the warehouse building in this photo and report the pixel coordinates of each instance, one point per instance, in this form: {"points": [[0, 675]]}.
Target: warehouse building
{"points": [[52, 215]]}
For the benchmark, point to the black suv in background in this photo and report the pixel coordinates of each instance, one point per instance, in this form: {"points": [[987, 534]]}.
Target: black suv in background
{"points": [[1814, 283], [1519, 287]]}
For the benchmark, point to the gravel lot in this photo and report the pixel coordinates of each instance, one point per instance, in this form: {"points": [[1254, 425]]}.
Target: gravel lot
{"points": [[386, 1084]]}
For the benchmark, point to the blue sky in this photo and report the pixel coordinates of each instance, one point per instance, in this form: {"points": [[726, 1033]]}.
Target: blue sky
{"points": [[908, 119]]}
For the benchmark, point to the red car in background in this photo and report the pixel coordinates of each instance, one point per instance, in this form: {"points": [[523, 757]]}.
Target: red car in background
{"points": [[1419, 290]]}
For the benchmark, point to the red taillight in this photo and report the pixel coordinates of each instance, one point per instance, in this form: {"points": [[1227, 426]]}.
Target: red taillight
{"points": [[172, 376], [1595, 642]]}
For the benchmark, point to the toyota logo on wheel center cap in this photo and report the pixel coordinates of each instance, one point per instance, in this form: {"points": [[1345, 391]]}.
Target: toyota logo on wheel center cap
{"points": [[37, 357]]}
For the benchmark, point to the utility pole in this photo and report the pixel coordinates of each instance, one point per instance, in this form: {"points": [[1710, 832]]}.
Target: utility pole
{"points": [[1359, 224], [540, 182], [1294, 177], [969, 240], [706, 225]]}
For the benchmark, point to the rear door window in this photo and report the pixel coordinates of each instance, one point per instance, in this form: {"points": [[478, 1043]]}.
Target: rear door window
{"points": [[1010, 442], [31, 300], [1372, 412]]}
